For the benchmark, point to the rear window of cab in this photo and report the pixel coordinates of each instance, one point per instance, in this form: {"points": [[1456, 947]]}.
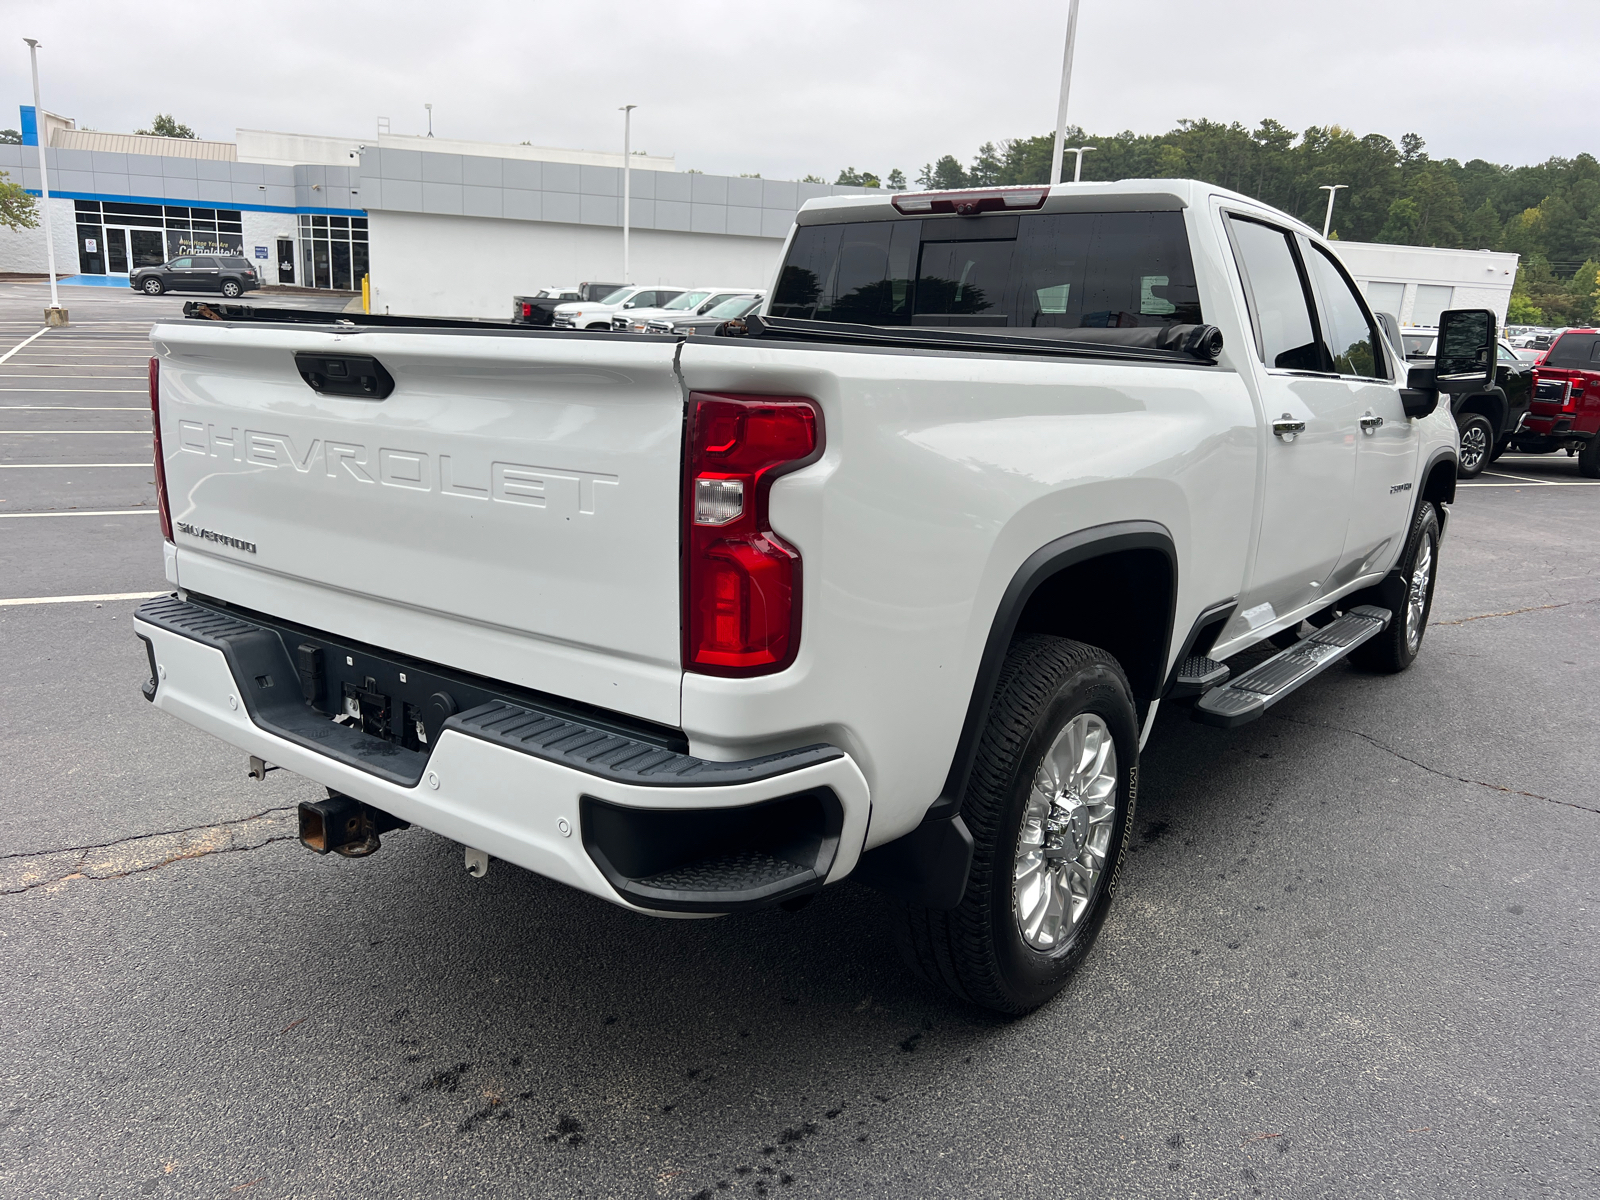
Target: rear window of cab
{"points": [[1575, 352], [1040, 272]]}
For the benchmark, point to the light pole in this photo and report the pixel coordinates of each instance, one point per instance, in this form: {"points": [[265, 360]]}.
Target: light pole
{"points": [[627, 182], [1333, 190], [1066, 85], [429, 107], [1077, 167], [57, 315]]}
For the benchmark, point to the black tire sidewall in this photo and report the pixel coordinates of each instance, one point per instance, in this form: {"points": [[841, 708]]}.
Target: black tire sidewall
{"points": [[1467, 422], [1033, 976], [1589, 458]]}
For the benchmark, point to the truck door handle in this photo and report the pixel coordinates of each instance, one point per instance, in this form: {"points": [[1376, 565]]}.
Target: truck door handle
{"points": [[1288, 428], [1370, 423]]}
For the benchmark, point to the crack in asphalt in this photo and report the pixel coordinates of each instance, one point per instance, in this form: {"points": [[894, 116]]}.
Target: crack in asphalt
{"points": [[1493, 787], [146, 852], [1514, 612], [265, 812]]}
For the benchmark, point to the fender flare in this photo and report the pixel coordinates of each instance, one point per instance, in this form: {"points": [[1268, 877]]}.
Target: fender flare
{"points": [[929, 865]]}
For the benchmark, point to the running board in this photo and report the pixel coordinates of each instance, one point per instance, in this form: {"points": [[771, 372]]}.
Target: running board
{"points": [[1244, 699]]}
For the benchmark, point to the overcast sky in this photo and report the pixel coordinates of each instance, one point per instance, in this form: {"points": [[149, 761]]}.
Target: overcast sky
{"points": [[784, 89]]}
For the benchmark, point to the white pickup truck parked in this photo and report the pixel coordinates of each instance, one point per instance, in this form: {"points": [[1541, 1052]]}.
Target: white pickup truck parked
{"points": [[890, 586]]}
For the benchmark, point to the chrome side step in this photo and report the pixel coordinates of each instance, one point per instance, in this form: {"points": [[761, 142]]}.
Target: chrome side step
{"points": [[1258, 689]]}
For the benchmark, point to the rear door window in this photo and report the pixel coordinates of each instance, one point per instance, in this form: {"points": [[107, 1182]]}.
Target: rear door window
{"points": [[1279, 305], [1045, 273]]}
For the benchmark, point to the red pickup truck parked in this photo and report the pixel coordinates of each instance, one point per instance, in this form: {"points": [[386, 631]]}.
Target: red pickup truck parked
{"points": [[1565, 409]]}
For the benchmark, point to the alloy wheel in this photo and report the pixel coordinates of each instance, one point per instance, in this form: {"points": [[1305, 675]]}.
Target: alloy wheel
{"points": [[1474, 446], [1417, 594], [1065, 839]]}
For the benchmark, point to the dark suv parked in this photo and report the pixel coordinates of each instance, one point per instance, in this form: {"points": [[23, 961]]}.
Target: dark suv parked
{"points": [[225, 273]]}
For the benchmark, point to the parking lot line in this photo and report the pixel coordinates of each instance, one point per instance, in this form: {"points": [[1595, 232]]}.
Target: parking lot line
{"points": [[79, 512], [82, 599], [23, 343]]}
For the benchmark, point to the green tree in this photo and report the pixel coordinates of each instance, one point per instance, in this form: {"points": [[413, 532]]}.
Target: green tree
{"points": [[18, 210], [1400, 228], [1521, 311], [855, 178], [813, 179], [986, 167], [165, 125], [896, 180], [1482, 228], [10, 137], [946, 173]]}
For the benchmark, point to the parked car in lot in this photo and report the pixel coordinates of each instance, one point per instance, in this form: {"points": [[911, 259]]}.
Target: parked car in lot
{"points": [[1487, 421], [712, 318], [692, 303], [230, 274], [1565, 413], [539, 308], [597, 314], [891, 587]]}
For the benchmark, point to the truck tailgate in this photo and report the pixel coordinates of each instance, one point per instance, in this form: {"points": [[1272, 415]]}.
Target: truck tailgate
{"points": [[510, 509]]}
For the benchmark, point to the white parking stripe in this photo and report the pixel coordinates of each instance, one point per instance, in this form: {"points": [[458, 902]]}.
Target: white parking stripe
{"points": [[82, 599], [84, 512], [23, 343]]}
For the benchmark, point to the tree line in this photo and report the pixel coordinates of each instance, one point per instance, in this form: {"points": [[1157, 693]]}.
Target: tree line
{"points": [[1549, 213]]}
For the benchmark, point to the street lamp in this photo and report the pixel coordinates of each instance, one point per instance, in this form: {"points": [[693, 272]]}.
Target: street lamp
{"points": [[429, 107], [57, 315], [1333, 190], [1077, 167], [1066, 84], [627, 181]]}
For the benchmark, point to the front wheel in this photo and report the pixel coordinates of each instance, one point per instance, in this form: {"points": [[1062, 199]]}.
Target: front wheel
{"points": [[231, 288], [153, 286], [1408, 592], [1477, 440], [1050, 804]]}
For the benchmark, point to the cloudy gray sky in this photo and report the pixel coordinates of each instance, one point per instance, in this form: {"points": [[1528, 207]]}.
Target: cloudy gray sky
{"points": [[783, 89]]}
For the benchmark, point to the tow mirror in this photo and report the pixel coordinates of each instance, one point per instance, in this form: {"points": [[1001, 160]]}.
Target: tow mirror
{"points": [[1464, 360]]}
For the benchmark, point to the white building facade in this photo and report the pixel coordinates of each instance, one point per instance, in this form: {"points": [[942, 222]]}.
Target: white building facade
{"points": [[1417, 283]]}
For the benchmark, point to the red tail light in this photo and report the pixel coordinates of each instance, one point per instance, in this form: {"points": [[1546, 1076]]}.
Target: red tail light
{"points": [[741, 582], [527, 311], [161, 462]]}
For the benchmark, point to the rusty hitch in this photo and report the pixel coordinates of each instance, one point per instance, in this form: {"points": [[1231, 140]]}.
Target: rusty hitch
{"points": [[344, 825]]}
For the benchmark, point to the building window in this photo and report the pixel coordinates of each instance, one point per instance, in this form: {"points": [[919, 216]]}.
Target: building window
{"points": [[204, 231], [333, 251]]}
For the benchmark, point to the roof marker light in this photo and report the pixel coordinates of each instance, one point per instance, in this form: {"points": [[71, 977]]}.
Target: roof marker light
{"points": [[972, 202]]}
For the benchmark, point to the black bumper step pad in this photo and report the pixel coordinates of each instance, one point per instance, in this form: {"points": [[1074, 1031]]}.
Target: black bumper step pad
{"points": [[255, 651], [1258, 689]]}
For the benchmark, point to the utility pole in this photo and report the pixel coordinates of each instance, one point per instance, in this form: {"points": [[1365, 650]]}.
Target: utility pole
{"points": [[1333, 190], [627, 182], [1066, 86], [55, 315], [1077, 167]]}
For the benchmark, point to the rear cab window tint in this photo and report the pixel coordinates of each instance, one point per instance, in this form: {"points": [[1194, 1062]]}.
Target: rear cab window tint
{"points": [[1575, 352], [1279, 305], [1045, 274]]}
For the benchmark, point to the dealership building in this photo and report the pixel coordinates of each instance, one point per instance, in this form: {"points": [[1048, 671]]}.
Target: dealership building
{"points": [[455, 228]]}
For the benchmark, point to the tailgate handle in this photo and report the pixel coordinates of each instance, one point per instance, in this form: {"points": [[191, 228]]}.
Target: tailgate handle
{"points": [[356, 375]]}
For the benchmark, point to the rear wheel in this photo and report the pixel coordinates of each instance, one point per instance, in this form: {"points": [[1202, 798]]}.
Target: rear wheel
{"points": [[1477, 439], [152, 286], [231, 288], [1049, 805], [1589, 458], [1408, 592]]}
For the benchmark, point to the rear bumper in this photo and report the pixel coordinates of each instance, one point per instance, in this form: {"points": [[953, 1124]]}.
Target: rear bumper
{"points": [[621, 819]]}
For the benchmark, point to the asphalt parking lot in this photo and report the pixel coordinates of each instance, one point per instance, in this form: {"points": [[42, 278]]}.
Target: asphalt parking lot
{"points": [[1354, 954]]}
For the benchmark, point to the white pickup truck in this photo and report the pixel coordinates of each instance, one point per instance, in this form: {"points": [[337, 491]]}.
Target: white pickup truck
{"points": [[885, 583]]}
